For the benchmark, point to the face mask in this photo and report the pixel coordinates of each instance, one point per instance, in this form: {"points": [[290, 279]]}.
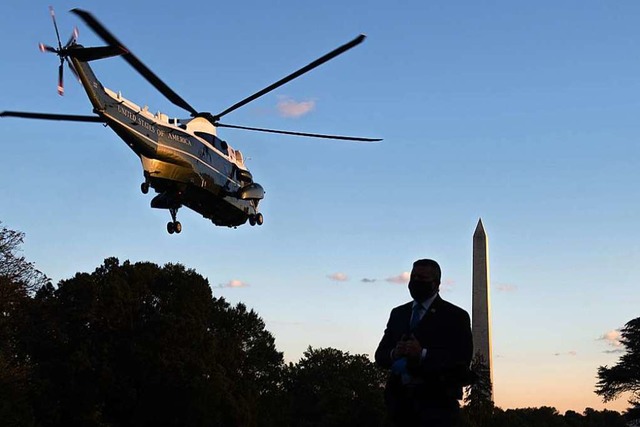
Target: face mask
{"points": [[421, 290]]}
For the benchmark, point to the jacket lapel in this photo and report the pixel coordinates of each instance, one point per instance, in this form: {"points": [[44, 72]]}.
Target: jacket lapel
{"points": [[431, 312]]}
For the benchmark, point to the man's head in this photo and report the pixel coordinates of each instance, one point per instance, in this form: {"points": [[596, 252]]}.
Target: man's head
{"points": [[425, 279]]}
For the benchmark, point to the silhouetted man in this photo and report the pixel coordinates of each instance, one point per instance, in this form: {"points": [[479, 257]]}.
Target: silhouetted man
{"points": [[427, 346]]}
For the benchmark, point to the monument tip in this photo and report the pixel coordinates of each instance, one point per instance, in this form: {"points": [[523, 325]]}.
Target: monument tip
{"points": [[479, 229]]}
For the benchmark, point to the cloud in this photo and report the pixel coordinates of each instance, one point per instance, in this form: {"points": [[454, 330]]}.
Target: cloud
{"points": [[612, 338], [447, 285], [568, 353], [365, 280], [234, 283], [401, 278], [614, 351], [505, 287], [338, 277], [288, 107]]}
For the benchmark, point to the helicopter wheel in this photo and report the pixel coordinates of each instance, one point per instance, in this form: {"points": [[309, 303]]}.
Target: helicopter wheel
{"points": [[170, 227], [259, 219], [144, 187], [252, 220]]}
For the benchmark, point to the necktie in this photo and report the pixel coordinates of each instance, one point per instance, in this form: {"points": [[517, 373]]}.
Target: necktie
{"points": [[416, 316]]}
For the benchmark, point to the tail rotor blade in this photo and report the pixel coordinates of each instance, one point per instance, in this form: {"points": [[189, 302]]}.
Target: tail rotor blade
{"points": [[60, 80], [73, 38], [46, 48], [55, 25]]}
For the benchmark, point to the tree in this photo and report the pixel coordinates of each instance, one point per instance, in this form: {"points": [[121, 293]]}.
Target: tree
{"points": [[530, 417], [251, 359], [329, 387], [139, 344], [478, 401], [16, 269], [18, 279], [632, 415], [15, 367], [604, 418], [625, 375], [573, 419]]}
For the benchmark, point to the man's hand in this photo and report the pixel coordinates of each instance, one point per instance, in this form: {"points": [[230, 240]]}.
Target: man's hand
{"points": [[409, 347]]}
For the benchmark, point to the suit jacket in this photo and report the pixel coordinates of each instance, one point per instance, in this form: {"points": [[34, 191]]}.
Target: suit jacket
{"points": [[445, 331]]}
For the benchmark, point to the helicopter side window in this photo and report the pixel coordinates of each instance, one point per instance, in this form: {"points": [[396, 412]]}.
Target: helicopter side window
{"points": [[206, 136], [222, 146], [225, 147]]}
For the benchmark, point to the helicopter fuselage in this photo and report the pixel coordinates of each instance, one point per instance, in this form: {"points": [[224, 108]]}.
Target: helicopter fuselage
{"points": [[183, 161]]}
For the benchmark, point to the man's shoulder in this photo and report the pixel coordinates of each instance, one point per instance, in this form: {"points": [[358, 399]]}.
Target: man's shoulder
{"points": [[452, 308], [403, 307]]}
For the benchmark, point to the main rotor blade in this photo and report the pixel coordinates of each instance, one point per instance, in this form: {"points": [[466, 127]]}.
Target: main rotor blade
{"points": [[96, 26], [312, 135], [47, 116], [296, 74]]}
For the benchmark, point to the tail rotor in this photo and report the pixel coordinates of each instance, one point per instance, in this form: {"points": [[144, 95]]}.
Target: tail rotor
{"points": [[61, 51]]}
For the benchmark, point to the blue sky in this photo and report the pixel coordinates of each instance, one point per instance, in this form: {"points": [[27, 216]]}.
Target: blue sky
{"points": [[522, 114]]}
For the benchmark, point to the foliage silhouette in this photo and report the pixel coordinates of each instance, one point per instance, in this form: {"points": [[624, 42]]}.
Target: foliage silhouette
{"points": [[138, 344], [478, 396], [329, 387], [15, 268], [625, 375], [18, 279]]}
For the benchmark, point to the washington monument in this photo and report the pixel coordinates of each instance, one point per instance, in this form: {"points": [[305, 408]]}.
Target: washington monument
{"points": [[481, 309]]}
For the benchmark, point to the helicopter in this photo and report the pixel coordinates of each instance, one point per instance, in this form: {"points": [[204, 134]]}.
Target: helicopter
{"points": [[183, 160]]}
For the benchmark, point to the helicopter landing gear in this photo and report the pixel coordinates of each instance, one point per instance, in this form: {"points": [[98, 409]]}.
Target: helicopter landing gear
{"points": [[174, 226], [256, 219], [144, 187]]}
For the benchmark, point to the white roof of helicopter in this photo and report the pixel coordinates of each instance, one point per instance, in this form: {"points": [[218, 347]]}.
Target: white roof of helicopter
{"points": [[200, 124]]}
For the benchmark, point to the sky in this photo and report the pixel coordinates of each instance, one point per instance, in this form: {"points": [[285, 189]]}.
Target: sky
{"points": [[523, 114]]}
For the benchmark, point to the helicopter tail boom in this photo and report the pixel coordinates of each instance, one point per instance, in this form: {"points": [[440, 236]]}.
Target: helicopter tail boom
{"points": [[86, 54]]}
